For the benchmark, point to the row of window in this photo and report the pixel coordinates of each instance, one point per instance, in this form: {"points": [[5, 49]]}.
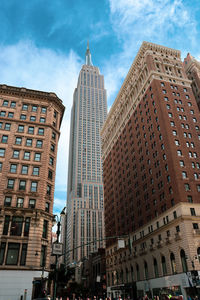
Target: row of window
{"points": [[20, 203], [26, 155], [34, 108], [23, 184]]}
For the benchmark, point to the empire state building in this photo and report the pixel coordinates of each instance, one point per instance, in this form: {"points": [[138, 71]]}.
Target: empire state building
{"points": [[85, 202]]}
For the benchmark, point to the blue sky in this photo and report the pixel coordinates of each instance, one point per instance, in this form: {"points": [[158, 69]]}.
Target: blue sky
{"points": [[43, 45]]}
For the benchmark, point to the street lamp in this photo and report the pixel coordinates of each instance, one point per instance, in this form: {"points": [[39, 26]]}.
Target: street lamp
{"points": [[57, 248]]}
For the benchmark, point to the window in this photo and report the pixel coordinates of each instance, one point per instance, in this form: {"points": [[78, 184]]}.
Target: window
{"points": [[34, 186], [43, 110], [2, 113], [18, 140], [13, 104], [6, 225], [20, 202], [196, 176], [53, 135], [164, 266], [45, 229], [32, 203], [16, 226], [194, 120], [41, 131], [39, 143], [173, 263], [50, 174], [168, 106], [2, 252], [21, 128], [24, 169], [187, 186], [2, 152], [170, 115], [179, 152], [29, 142], [27, 155], [55, 114], [184, 175], [4, 139], [1, 164], [189, 198], [23, 117], [22, 185], [51, 161], [12, 254], [34, 108], [42, 120], [7, 201], [177, 142], [1, 124], [172, 123], [23, 255], [52, 147], [27, 226], [48, 189], [33, 118], [11, 183], [36, 171], [198, 188], [13, 168], [43, 256], [31, 130], [25, 107], [5, 103], [47, 205], [15, 154], [183, 261], [7, 126], [195, 225], [37, 157], [192, 211]]}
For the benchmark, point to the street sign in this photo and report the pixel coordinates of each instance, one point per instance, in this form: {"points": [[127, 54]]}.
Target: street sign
{"points": [[57, 249]]}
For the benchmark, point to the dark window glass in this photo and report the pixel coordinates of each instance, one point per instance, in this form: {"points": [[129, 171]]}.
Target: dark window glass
{"points": [[6, 225], [16, 226], [24, 169], [7, 126], [1, 124], [32, 203], [53, 135], [5, 103], [4, 139], [48, 189], [52, 147], [13, 168], [11, 183], [26, 155], [10, 115], [22, 185], [12, 254], [47, 206], [16, 154], [7, 201], [1, 164], [33, 118], [18, 141], [2, 113], [43, 256], [42, 120], [25, 107], [34, 186], [50, 174], [37, 157], [13, 104], [23, 117], [43, 110], [29, 142], [39, 144], [31, 130], [41, 131], [21, 128], [34, 108], [20, 202], [27, 226], [36, 171], [2, 252], [45, 228], [51, 161], [2, 152], [23, 255]]}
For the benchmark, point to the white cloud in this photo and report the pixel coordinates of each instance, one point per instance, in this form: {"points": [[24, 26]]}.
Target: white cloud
{"points": [[24, 64], [164, 22]]}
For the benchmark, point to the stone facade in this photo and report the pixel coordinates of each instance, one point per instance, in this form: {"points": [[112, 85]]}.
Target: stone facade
{"points": [[30, 127]]}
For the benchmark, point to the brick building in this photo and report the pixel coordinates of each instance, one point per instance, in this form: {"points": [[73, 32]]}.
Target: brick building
{"points": [[29, 131], [192, 69], [151, 163]]}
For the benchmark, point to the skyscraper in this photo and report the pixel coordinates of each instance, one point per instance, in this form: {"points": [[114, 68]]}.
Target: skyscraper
{"points": [[85, 207], [150, 154]]}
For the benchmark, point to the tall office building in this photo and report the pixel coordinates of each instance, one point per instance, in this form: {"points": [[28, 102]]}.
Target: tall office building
{"points": [[29, 132], [85, 204], [151, 164], [192, 69]]}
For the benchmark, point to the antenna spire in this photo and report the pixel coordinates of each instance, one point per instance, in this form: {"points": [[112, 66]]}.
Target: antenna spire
{"points": [[88, 59]]}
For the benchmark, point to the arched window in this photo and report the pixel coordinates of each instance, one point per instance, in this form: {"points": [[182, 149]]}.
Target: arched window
{"points": [[155, 264], [183, 261], [138, 272], [127, 279], [146, 273], [132, 274], [173, 263], [164, 267]]}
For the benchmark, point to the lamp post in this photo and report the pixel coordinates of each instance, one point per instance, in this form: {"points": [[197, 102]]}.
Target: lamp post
{"points": [[58, 247]]}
